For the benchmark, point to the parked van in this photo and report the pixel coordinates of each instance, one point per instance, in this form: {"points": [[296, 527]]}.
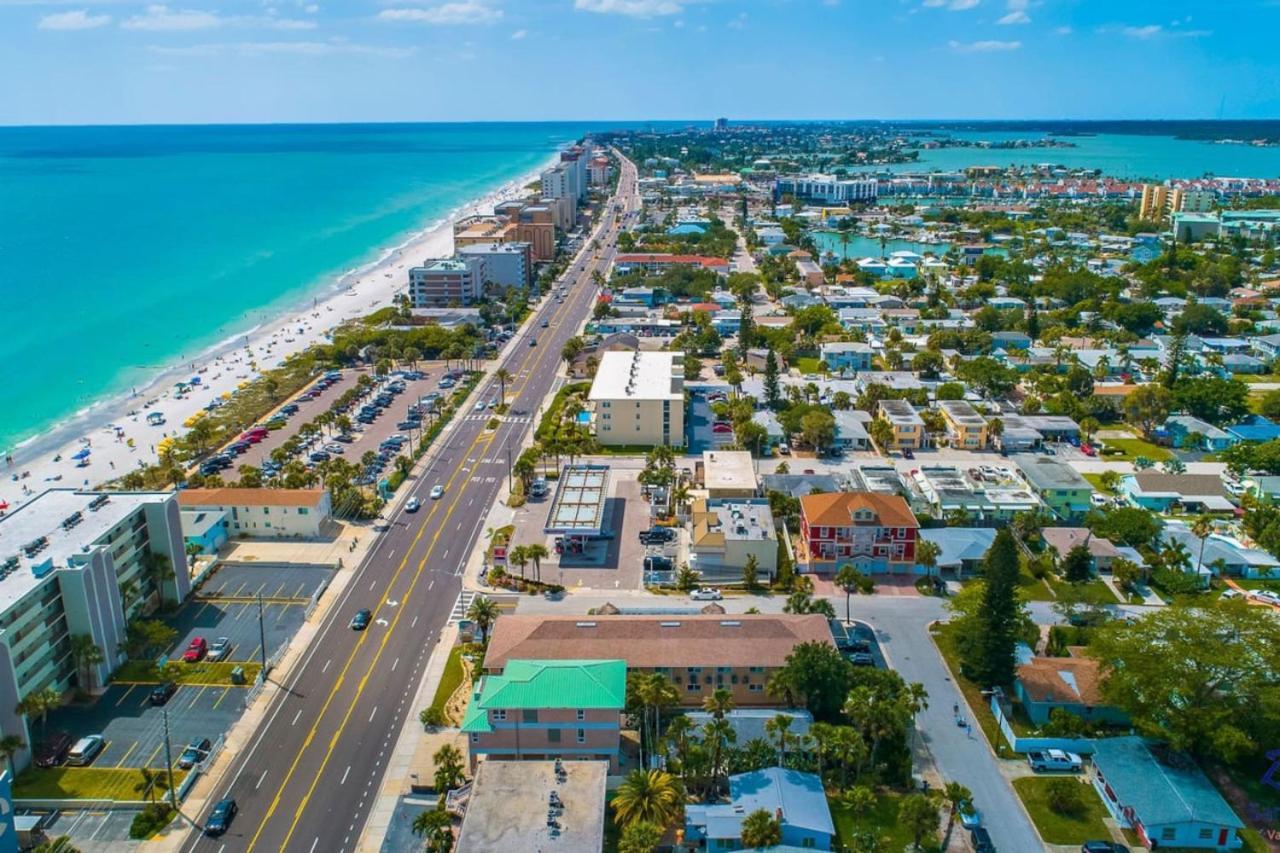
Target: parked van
{"points": [[85, 750]]}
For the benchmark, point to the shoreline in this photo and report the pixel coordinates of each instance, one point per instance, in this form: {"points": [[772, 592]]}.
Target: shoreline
{"points": [[290, 325]]}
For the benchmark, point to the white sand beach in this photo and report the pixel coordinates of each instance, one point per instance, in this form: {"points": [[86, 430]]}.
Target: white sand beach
{"points": [[109, 428]]}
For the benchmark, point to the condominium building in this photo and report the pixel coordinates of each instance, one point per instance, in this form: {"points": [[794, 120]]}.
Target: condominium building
{"points": [[599, 171], [1160, 201], [536, 225], [448, 281], [547, 709], [965, 427], [79, 563], [483, 229], [908, 426], [638, 398], [698, 653], [262, 513], [505, 264], [874, 533], [726, 533], [826, 189]]}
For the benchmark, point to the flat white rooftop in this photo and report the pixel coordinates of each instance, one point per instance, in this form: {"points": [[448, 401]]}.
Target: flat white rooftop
{"points": [[509, 804], [724, 470], [54, 527], [638, 376]]}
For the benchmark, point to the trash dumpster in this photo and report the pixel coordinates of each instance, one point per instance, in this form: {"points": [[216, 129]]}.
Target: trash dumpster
{"points": [[237, 675]]}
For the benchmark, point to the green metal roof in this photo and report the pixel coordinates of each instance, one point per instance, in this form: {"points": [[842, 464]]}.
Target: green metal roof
{"points": [[548, 684]]}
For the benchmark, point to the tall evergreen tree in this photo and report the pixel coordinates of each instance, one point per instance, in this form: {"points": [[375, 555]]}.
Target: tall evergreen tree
{"points": [[991, 661], [771, 378], [1176, 349]]}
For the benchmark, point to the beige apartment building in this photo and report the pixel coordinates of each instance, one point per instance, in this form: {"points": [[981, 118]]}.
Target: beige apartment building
{"points": [[908, 426], [965, 427], [638, 398]]}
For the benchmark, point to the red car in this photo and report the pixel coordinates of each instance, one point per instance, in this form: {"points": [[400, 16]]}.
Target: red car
{"points": [[1087, 450], [721, 426], [196, 651]]}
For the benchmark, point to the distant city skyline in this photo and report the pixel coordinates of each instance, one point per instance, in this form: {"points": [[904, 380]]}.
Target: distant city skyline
{"points": [[122, 61]]}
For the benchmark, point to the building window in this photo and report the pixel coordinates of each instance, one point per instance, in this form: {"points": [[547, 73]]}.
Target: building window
{"points": [[1206, 833], [693, 687], [500, 715], [475, 737], [755, 688], [529, 715], [553, 735], [1169, 833], [582, 735], [582, 715]]}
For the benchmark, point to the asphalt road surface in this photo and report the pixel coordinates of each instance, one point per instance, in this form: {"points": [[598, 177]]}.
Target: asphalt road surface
{"points": [[311, 772]]}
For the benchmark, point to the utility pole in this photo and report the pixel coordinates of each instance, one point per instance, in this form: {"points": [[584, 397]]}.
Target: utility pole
{"points": [[507, 447], [262, 638], [168, 761]]}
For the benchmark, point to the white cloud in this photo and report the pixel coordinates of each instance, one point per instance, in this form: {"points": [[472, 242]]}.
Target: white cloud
{"points": [[987, 46], [1154, 31], [465, 12], [953, 5], [1064, 31], [287, 24], [79, 19], [519, 34], [162, 18], [1014, 17], [1147, 32], [631, 8], [739, 22]]}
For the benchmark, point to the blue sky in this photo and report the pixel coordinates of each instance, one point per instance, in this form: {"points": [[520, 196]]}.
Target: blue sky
{"points": [[106, 61]]}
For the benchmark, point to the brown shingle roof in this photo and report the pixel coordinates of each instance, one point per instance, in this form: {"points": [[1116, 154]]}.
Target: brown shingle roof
{"points": [[250, 497], [647, 642], [1051, 680], [835, 509], [1194, 485]]}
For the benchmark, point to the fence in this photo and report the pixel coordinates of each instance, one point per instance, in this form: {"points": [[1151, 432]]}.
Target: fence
{"points": [[315, 598], [1017, 743]]}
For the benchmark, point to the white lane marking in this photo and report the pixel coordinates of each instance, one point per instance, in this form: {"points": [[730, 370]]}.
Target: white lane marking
{"points": [[313, 845], [295, 717], [395, 664], [433, 583], [325, 668], [373, 586], [260, 779], [391, 553], [344, 775], [374, 711]]}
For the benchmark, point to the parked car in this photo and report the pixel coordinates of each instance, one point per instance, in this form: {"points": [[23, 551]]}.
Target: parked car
{"points": [[1098, 500], [706, 593], [361, 620], [53, 751], [654, 563], [220, 818], [220, 649], [657, 535], [412, 504], [196, 751], [1103, 847], [161, 693], [862, 659], [981, 840], [1043, 760], [1265, 595], [85, 750], [1232, 592], [970, 817], [196, 650]]}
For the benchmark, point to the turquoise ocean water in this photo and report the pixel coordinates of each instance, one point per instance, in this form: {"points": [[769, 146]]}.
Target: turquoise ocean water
{"points": [[124, 250]]}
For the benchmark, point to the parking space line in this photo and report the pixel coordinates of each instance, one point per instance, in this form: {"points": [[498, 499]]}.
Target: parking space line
{"points": [[225, 691], [256, 649], [120, 701], [199, 693], [302, 591], [279, 590], [126, 755], [151, 759]]}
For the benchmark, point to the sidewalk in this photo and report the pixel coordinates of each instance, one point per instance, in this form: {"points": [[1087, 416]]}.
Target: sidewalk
{"points": [[398, 779]]}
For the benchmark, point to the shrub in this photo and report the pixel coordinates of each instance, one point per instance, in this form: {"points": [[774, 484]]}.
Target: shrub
{"points": [[432, 717], [153, 818], [1064, 797]]}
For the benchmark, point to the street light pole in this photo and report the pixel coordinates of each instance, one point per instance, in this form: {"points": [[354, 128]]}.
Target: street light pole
{"points": [[262, 638], [168, 761], [507, 447]]}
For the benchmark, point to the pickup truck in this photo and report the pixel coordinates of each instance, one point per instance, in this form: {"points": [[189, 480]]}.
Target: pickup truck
{"points": [[1054, 759]]}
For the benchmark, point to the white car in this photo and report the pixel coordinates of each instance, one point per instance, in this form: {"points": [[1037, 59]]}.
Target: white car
{"points": [[437, 492], [706, 593], [479, 405], [1265, 595], [412, 504], [1054, 759], [219, 650], [1098, 500], [1232, 592]]}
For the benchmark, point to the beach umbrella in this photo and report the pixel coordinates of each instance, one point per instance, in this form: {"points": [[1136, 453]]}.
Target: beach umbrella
{"points": [[82, 453]]}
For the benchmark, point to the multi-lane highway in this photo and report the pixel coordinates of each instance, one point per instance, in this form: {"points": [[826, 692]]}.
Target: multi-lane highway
{"points": [[310, 774]]}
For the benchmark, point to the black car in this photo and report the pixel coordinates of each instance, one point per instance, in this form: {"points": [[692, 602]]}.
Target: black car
{"points": [[196, 751], [54, 750], [657, 564], [981, 840], [1103, 847], [361, 620], [862, 659], [161, 692], [291, 409], [221, 816], [657, 535]]}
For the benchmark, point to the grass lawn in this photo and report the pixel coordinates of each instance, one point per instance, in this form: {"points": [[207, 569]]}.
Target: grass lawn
{"points": [[1061, 829], [1032, 588], [807, 365], [83, 783], [1135, 447], [1257, 377], [1095, 480], [1095, 591], [943, 638], [450, 680], [882, 820], [204, 672]]}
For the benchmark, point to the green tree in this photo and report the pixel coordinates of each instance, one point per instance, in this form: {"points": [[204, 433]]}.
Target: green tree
{"points": [[847, 580], [1147, 407], [484, 612], [38, 704], [640, 837], [686, 578], [751, 573], [779, 728], [761, 829], [988, 655], [449, 768], [1077, 566], [86, 654], [771, 392], [881, 432], [927, 554], [11, 745], [815, 676], [958, 799], [918, 814], [435, 827], [650, 796], [158, 570], [1200, 677]]}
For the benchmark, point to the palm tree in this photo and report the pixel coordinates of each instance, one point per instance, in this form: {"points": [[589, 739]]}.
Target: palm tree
{"points": [[151, 780], [652, 796], [677, 736], [719, 703], [448, 762], [502, 375], [959, 798], [779, 728], [11, 745], [38, 703], [157, 568], [86, 654], [847, 581], [436, 828], [1202, 528], [761, 829], [483, 612], [536, 552], [518, 556], [718, 734], [927, 554]]}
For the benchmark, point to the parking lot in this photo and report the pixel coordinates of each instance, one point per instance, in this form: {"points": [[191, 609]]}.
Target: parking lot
{"points": [[699, 432], [90, 829], [225, 606]]}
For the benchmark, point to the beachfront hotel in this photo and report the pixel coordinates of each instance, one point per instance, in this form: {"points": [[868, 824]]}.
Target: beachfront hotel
{"points": [[448, 281], [637, 398], [76, 562]]}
